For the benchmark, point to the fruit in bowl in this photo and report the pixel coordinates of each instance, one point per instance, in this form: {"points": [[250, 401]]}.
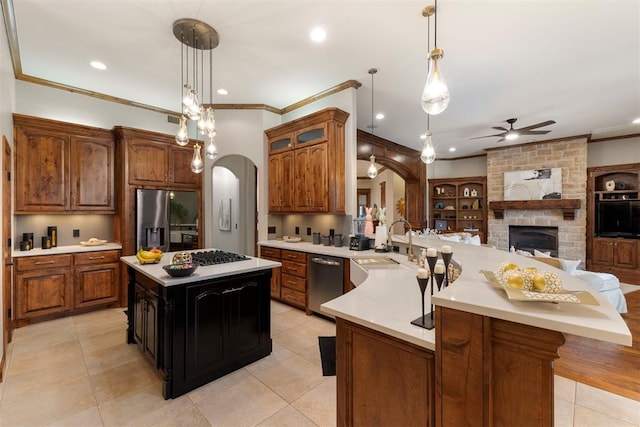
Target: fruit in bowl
{"points": [[180, 270], [152, 256]]}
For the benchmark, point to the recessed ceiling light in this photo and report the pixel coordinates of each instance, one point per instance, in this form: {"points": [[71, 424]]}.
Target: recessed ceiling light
{"points": [[318, 35], [379, 116], [222, 91], [452, 149], [636, 121], [98, 65]]}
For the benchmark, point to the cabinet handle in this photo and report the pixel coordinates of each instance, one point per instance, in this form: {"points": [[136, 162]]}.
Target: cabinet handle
{"points": [[96, 257], [228, 291], [44, 262]]}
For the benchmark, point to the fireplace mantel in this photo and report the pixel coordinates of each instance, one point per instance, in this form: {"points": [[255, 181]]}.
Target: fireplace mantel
{"points": [[567, 206]]}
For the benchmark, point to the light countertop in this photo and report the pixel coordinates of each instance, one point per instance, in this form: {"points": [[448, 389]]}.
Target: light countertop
{"points": [[68, 249], [157, 273], [388, 299]]}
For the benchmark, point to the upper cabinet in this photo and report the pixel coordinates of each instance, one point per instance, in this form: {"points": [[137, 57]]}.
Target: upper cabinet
{"points": [[154, 160], [307, 164], [62, 167]]}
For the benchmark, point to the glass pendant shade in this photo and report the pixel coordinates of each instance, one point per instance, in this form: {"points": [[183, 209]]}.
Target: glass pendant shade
{"points": [[372, 172], [202, 121], [193, 110], [428, 154], [435, 96], [210, 123], [211, 151], [182, 137], [197, 165]]}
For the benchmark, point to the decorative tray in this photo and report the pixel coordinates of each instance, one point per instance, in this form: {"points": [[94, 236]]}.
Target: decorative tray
{"points": [[576, 297], [93, 242], [291, 239]]}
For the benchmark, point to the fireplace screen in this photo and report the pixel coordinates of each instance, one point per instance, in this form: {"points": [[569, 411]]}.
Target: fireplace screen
{"points": [[528, 238]]}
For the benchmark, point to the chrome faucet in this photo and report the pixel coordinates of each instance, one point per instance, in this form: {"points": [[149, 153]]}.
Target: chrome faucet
{"points": [[410, 256]]}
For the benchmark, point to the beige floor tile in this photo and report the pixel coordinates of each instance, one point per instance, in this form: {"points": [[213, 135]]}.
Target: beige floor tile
{"points": [[111, 357], [562, 413], [288, 319], [42, 336], [125, 379], [585, 417], [47, 405], [258, 403], [278, 307], [278, 354], [620, 407], [104, 339], [218, 386], [312, 355], [292, 378], [141, 407], [319, 405], [90, 417], [287, 417], [564, 388]]}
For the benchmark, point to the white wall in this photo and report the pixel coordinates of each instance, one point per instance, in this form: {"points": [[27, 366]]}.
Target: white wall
{"points": [[474, 166], [613, 152]]}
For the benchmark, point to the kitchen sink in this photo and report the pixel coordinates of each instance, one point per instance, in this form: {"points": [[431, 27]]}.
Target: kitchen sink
{"points": [[376, 262]]}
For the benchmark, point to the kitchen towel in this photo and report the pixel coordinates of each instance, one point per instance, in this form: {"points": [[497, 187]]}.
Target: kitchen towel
{"points": [[328, 355]]}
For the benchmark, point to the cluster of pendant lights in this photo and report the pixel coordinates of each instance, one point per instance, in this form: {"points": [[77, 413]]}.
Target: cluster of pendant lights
{"points": [[435, 96], [196, 37]]}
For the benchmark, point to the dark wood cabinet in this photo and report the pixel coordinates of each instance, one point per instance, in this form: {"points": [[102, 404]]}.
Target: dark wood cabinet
{"points": [[62, 167], [150, 160], [146, 322], [273, 254], [610, 186], [197, 332], [51, 286], [281, 182], [314, 182], [459, 204]]}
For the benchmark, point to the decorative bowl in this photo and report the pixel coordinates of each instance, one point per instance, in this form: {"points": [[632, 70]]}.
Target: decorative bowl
{"points": [[180, 270]]}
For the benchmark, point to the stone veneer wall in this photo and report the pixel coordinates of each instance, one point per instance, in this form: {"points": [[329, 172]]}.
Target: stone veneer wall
{"points": [[568, 154]]}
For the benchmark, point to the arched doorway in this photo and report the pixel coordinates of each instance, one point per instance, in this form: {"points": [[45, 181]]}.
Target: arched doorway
{"points": [[407, 164], [233, 205]]}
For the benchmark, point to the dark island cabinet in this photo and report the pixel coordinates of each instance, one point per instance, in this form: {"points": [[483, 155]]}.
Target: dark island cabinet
{"points": [[200, 331]]}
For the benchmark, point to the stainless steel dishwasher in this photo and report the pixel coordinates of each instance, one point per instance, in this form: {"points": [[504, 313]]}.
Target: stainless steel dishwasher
{"points": [[325, 280]]}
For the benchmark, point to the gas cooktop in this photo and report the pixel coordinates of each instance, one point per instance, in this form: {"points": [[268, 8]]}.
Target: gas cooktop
{"points": [[216, 257]]}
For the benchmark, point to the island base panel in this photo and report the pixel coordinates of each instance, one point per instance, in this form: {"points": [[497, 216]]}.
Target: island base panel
{"points": [[493, 372], [382, 380]]}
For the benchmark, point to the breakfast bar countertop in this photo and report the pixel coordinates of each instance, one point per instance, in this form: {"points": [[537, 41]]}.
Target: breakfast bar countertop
{"points": [[388, 299]]}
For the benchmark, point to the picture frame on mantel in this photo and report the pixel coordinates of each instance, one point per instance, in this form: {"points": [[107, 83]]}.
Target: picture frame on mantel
{"points": [[534, 184]]}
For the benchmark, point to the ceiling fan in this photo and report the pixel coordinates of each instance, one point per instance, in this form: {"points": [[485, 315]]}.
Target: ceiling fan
{"points": [[511, 133]]}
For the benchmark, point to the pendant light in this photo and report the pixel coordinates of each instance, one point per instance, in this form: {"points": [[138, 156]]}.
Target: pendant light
{"points": [[428, 153], [435, 95], [196, 36], [372, 172], [197, 165]]}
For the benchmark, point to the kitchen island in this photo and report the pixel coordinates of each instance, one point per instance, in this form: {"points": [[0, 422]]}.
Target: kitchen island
{"points": [[489, 360], [198, 328]]}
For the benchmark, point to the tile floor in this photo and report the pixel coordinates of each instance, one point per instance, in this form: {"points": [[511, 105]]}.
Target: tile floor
{"points": [[77, 371]]}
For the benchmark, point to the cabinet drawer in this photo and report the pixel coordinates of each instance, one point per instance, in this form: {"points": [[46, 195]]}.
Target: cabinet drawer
{"points": [[97, 257], [270, 253], [294, 297], [300, 257], [294, 282], [41, 262], [294, 268]]}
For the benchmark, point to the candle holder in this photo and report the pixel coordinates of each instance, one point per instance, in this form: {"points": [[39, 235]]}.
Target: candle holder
{"points": [[439, 279], [424, 321], [446, 257]]}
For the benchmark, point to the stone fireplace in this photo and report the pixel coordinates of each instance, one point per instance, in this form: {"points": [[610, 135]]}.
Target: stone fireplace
{"points": [[568, 154], [528, 238]]}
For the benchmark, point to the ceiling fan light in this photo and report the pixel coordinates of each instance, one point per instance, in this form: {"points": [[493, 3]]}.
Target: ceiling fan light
{"points": [[511, 135], [372, 172], [428, 153], [435, 95]]}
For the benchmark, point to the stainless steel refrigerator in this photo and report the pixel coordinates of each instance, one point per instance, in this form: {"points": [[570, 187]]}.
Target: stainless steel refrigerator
{"points": [[152, 219]]}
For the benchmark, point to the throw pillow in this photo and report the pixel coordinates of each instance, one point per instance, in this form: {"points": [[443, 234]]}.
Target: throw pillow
{"points": [[570, 266], [450, 238], [473, 240], [541, 254]]}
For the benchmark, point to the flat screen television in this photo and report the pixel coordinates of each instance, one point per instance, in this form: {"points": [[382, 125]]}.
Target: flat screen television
{"points": [[618, 218]]}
